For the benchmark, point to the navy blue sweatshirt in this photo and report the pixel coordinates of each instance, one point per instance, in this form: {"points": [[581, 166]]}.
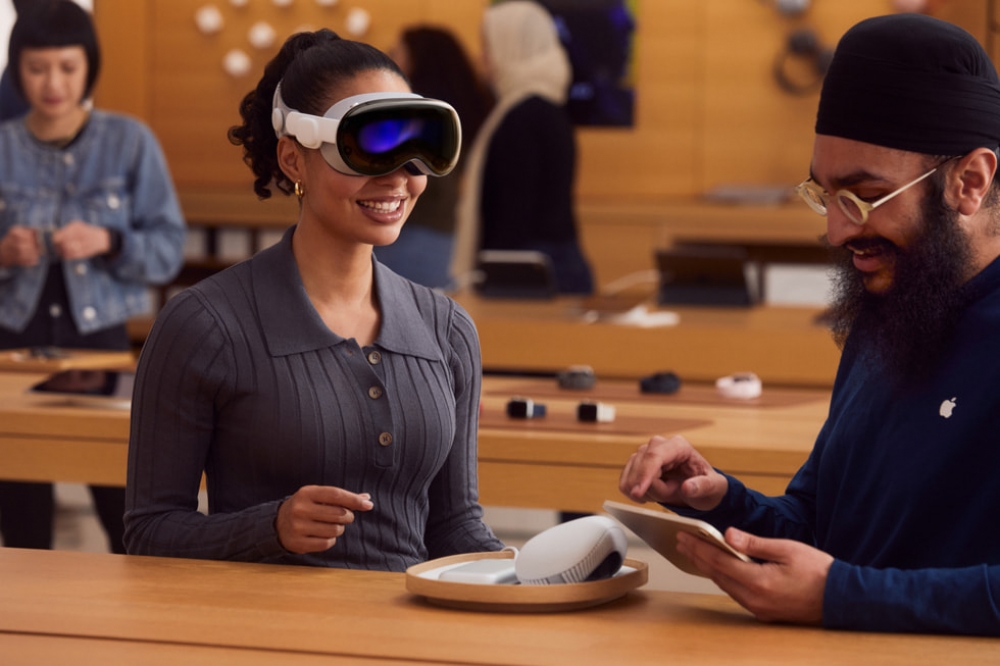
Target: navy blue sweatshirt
{"points": [[903, 489]]}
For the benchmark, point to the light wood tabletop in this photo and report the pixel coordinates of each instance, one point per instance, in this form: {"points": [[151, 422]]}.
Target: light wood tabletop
{"points": [[54, 602], [553, 463], [23, 649], [45, 438]]}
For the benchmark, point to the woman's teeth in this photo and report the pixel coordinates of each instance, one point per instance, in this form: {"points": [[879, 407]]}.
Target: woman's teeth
{"points": [[382, 206]]}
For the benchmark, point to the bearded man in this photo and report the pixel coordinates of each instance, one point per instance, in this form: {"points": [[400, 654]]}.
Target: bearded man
{"points": [[891, 523]]}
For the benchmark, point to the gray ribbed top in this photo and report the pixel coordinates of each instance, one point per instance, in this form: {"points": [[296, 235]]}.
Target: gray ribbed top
{"points": [[241, 379]]}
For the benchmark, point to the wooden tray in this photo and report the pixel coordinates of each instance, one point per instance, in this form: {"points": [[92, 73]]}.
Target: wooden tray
{"points": [[421, 580], [22, 360]]}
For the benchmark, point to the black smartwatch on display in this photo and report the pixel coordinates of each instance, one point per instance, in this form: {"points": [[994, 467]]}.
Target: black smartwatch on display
{"points": [[524, 408], [595, 412], [660, 382], [577, 377]]}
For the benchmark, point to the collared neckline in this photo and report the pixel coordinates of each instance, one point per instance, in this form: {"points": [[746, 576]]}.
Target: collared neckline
{"points": [[291, 324]]}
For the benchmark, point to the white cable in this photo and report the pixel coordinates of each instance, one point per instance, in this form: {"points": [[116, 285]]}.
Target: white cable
{"points": [[626, 281]]}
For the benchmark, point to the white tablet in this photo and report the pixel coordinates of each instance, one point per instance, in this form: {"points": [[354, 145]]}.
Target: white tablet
{"points": [[659, 529], [482, 572]]}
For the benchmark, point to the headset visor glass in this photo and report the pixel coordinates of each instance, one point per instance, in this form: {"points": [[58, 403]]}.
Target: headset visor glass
{"points": [[379, 137]]}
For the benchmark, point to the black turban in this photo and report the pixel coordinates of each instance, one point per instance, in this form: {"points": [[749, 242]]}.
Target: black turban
{"points": [[914, 83]]}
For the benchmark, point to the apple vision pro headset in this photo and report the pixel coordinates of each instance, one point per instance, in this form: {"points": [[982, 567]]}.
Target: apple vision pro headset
{"points": [[377, 133]]}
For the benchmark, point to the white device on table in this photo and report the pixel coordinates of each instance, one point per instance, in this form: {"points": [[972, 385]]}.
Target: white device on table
{"points": [[585, 549], [742, 385], [659, 529], [482, 572], [588, 548]]}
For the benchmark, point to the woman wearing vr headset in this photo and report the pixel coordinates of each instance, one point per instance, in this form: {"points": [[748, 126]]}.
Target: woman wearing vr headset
{"points": [[88, 219], [331, 404]]}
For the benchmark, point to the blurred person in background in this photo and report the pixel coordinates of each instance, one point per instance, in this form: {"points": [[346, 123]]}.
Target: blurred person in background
{"points": [[437, 67], [522, 167], [88, 220]]}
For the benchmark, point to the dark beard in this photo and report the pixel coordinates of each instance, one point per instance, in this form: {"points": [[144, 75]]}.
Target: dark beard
{"points": [[906, 329]]}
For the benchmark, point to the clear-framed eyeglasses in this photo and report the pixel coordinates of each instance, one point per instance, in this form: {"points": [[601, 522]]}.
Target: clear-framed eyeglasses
{"points": [[852, 206]]}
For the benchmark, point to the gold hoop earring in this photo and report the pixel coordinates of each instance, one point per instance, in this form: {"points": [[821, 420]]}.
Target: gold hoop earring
{"points": [[299, 190]]}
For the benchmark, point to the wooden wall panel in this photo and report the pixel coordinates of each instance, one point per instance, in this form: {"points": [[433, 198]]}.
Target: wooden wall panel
{"points": [[660, 155], [708, 111], [755, 132], [970, 14], [192, 102], [125, 83]]}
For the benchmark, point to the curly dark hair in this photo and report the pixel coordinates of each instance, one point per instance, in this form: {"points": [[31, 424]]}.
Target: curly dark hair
{"points": [[310, 66]]}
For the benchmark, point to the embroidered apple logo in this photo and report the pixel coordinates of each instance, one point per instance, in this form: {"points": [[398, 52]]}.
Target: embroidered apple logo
{"points": [[946, 407]]}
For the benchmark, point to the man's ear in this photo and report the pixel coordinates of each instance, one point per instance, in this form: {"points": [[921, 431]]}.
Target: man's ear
{"points": [[291, 159], [971, 179]]}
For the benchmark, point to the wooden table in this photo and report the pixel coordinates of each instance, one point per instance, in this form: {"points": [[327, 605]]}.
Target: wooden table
{"points": [[45, 439], [783, 345], [92, 608], [520, 464], [577, 470]]}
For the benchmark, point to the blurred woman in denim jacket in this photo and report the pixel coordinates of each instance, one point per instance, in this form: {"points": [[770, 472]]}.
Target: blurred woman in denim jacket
{"points": [[88, 220]]}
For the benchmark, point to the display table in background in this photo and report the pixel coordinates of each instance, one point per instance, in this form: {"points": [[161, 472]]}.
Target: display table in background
{"points": [[554, 464]]}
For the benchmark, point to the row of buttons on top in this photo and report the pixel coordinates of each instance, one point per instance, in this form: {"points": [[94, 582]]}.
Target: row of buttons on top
{"points": [[375, 392]]}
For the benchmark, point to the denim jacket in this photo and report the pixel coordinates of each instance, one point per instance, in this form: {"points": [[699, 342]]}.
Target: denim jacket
{"points": [[113, 175]]}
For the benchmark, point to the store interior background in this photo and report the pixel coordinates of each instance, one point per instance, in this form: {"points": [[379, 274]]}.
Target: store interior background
{"points": [[709, 118]]}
